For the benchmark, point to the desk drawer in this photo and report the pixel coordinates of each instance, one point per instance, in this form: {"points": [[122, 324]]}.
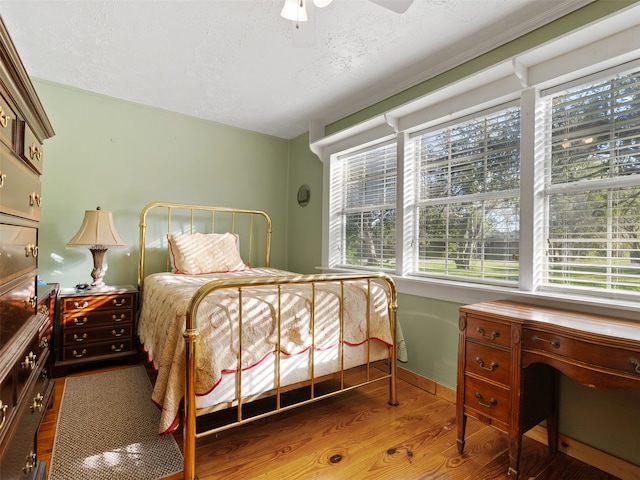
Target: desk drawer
{"points": [[578, 351], [488, 331], [486, 398], [488, 362]]}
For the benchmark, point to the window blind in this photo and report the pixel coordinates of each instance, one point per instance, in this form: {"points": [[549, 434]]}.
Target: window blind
{"points": [[592, 185]]}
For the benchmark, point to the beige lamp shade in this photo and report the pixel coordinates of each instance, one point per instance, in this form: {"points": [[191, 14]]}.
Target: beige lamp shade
{"points": [[97, 230]]}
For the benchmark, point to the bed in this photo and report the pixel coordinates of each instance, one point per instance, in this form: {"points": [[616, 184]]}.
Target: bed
{"points": [[234, 340]]}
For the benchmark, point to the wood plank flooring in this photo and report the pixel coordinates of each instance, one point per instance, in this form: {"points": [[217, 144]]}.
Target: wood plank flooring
{"points": [[357, 435]]}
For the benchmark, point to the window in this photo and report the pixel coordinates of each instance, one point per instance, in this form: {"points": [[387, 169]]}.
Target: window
{"points": [[592, 185], [363, 208], [467, 198]]}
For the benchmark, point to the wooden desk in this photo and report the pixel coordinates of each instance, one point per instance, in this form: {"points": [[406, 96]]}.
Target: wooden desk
{"points": [[509, 357]]}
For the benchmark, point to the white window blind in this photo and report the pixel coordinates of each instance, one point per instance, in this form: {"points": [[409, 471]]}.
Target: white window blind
{"points": [[363, 196], [467, 198], [592, 186]]}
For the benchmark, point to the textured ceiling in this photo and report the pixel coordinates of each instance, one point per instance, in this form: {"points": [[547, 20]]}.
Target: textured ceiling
{"points": [[239, 63]]}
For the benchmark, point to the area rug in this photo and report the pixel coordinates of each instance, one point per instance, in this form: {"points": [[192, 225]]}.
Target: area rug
{"points": [[108, 429]]}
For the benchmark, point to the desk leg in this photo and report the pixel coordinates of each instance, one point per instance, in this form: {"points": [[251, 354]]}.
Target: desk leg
{"points": [[515, 446], [552, 418], [462, 425]]}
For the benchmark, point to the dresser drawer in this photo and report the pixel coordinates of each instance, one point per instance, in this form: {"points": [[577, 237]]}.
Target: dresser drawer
{"points": [[20, 192], [32, 150], [90, 350], [487, 399], [30, 359], [90, 319], [488, 331], [578, 352], [7, 123], [7, 403], [89, 335], [488, 362], [18, 251], [76, 304], [16, 306]]}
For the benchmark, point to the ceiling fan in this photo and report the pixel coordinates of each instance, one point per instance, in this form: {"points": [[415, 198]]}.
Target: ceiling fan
{"points": [[302, 10]]}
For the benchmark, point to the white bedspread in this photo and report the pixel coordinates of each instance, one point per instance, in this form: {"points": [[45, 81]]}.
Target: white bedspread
{"points": [[162, 321]]}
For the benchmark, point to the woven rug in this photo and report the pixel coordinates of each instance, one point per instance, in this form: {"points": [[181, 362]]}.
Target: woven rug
{"points": [[108, 429]]}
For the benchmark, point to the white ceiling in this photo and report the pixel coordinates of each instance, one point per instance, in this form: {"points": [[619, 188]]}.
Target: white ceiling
{"points": [[239, 63]]}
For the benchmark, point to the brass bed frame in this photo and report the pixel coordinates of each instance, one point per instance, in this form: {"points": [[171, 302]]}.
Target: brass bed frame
{"points": [[187, 218]]}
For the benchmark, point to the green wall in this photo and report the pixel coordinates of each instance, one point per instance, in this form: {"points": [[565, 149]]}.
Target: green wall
{"points": [[121, 156]]}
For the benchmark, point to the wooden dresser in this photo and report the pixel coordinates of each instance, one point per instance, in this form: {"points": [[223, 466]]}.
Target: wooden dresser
{"points": [[25, 325], [509, 357], [93, 326]]}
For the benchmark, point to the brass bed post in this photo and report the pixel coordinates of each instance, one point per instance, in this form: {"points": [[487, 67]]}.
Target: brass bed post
{"points": [[393, 308]]}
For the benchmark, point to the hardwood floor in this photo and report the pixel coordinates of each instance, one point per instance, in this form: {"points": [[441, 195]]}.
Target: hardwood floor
{"points": [[356, 435]]}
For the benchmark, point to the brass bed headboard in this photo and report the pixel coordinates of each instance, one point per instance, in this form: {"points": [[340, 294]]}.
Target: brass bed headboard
{"points": [[253, 228]]}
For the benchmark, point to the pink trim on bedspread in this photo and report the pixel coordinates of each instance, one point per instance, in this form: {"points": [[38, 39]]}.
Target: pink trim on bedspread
{"points": [[163, 314]]}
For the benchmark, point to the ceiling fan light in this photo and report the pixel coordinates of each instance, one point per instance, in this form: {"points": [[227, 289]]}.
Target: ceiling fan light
{"points": [[294, 10], [321, 3]]}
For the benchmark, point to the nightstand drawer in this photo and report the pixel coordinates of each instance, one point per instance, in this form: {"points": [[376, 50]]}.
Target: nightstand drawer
{"points": [[79, 352], [110, 301], [97, 334], [96, 319]]}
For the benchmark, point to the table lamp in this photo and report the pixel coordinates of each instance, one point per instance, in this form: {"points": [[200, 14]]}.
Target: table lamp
{"points": [[97, 232]]}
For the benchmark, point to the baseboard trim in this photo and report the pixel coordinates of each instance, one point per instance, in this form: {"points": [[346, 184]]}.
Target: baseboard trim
{"points": [[569, 446]]}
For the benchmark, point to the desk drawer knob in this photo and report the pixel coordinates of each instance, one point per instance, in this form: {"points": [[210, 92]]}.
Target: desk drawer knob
{"points": [[553, 343], [635, 363], [495, 334], [492, 401], [490, 368]]}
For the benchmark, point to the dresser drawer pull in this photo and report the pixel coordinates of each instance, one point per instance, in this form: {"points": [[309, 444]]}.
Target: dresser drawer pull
{"points": [[635, 363], [4, 118], [117, 349], [495, 334], [44, 343], [84, 304], [3, 177], [35, 152], [490, 368], [31, 250], [119, 302], [117, 334], [80, 339], [31, 462], [118, 319], [492, 401], [81, 354], [31, 301], [37, 403], [35, 199], [3, 412], [553, 343], [30, 361]]}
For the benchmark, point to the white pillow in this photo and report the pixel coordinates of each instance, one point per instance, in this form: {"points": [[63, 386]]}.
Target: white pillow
{"points": [[205, 253]]}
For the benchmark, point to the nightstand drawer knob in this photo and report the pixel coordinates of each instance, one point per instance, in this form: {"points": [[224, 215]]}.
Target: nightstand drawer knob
{"points": [[84, 304], [117, 334], [119, 302], [80, 339], [80, 321], [81, 354], [118, 319], [117, 349]]}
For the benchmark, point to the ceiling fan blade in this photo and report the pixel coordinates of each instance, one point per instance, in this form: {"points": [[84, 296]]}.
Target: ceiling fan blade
{"points": [[398, 6]]}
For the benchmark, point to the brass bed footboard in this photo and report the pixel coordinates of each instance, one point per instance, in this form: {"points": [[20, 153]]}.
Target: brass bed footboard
{"points": [[191, 333]]}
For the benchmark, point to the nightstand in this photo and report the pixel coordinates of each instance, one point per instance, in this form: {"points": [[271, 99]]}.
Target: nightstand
{"points": [[94, 326]]}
